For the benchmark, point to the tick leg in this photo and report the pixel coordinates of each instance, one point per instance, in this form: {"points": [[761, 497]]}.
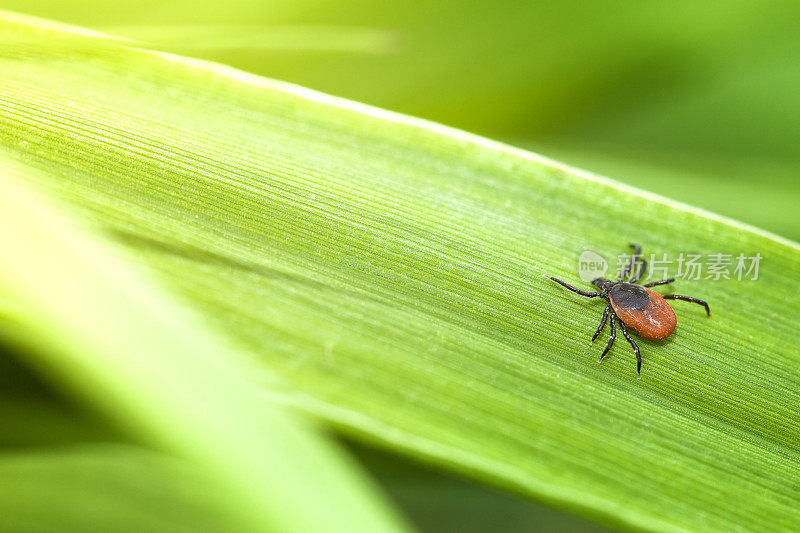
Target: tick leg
{"points": [[637, 251], [689, 299], [635, 347], [662, 282], [575, 289], [638, 276], [602, 323], [611, 338]]}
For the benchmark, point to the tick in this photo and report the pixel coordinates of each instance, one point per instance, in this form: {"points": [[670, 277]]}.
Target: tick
{"points": [[636, 306]]}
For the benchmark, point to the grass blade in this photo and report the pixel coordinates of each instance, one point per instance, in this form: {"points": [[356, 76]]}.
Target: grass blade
{"points": [[390, 270]]}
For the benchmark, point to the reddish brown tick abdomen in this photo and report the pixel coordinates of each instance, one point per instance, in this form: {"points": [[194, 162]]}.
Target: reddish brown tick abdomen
{"points": [[644, 310]]}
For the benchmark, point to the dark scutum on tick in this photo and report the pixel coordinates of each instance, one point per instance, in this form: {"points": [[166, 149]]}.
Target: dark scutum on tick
{"points": [[630, 296], [636, 306]]}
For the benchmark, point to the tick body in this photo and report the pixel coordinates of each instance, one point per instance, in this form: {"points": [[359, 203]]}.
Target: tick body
{"points": [[643, 310], [636, 306]]}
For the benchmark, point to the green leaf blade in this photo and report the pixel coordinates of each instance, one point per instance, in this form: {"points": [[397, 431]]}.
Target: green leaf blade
{"points": [[391, 271], [142, 360]]}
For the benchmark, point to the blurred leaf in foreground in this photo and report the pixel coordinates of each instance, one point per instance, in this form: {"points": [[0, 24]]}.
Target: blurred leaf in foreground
{"points": [[150, 368]]}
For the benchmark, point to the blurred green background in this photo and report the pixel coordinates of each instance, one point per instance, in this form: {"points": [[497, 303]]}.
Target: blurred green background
{"points": [[697, 101]]}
